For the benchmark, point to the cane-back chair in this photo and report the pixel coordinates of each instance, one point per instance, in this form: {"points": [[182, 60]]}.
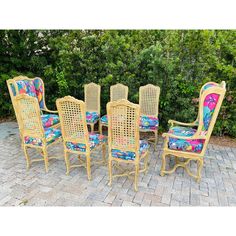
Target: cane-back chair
{"points": [[123, 139], [33, 133], [189, 144], [34, 88], [76, 138], [117, 92], [92, 94], [149, 103]]}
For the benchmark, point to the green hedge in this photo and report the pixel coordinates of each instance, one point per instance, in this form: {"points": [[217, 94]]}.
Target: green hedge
{"points": [[179, 61]]}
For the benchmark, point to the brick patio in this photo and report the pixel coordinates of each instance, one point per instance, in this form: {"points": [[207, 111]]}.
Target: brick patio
{"points": [[19, 187]]}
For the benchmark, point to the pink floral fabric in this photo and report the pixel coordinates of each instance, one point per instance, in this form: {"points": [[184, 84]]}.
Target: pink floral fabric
{"points": [[210, 103]]}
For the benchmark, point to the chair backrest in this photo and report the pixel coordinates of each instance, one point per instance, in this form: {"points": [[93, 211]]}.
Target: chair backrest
{"points": [[123, 125], [149, 99], [24, 85], [29, 119], [118, 91], [73, 120], [211, 98], [92, 94]]}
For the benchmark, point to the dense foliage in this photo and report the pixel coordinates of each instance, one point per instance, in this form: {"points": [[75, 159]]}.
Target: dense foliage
{"points": [[179, 61]]}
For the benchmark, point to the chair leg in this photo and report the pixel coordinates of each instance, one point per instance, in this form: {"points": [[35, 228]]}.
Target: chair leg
{"points": [[67, 161], [28, 163], [92, 128], [104, 153], [146, 163], [136, 177], [100, 127], [155, 141], [45, 156], [110, 171], [163, 165], [199, 170], [88, 161]]}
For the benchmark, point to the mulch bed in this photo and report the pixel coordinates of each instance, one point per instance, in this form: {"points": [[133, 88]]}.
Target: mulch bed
{"points": [[225, 141]]}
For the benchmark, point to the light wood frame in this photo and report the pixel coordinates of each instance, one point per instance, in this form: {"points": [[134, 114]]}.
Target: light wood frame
{"points": [[13, 82], [149, 105], [72, 113], [117, 92], [219, 89], [92, 97], [127, 129], [30, 124]]}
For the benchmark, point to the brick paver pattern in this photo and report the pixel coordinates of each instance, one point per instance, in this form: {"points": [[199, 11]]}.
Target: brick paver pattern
{"points": [[19, 187]]}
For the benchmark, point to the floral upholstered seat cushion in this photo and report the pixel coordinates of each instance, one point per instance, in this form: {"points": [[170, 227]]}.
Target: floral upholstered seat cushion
{"points": [[131, 155], [92, 116], [49, 120], [94, 141], [148, 122], [104, 120], [51, 135], [188, 145]]}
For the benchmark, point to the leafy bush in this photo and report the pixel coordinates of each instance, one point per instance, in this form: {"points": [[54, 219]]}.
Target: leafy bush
{"points": [[179, 61]]}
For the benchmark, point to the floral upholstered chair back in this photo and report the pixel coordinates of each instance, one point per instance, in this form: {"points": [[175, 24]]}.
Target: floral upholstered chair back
{"points": [[29, 116], [123, 126], [73, 120], [149, 100], [118, 91], [92, 93], [24, 85], [211, 97]]}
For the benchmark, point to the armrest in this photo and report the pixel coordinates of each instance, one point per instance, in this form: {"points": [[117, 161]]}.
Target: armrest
{"points": [[172, 122], [195, 136], [47, 110]]}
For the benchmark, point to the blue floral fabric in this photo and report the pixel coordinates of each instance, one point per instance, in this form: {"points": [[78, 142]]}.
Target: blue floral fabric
{"points": [[49, 120], [94, 141], [104, 120], [149, 122], [130, 155], [51, 135], [146, 122], [92, 117], [208, 86], [13, 89], [188, 145]]}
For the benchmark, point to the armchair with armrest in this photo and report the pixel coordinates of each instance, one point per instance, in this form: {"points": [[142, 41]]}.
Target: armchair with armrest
{"points": [[188, 143]]}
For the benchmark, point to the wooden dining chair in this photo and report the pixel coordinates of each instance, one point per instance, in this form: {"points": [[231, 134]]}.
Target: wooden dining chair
{"points": [[76, 138], [33, 133], [188, 141], [92, 93], [124, 145], [34, 88], [117, 92], [149, 104]]}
